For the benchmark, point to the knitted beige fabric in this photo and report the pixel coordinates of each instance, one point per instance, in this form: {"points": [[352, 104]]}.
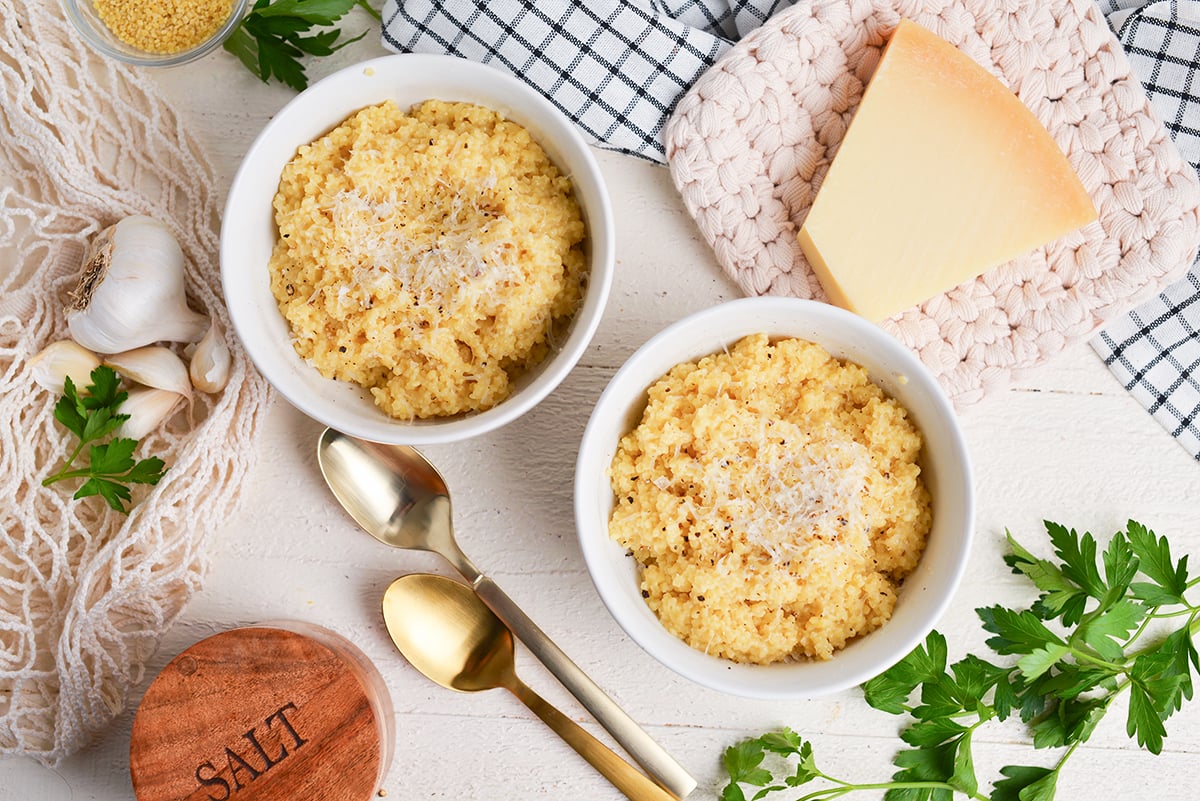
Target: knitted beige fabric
{"points": [[750, 143], [86, 592]]}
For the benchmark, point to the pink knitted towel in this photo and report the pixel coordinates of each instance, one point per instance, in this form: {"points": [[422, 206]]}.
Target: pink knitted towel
{"points": [[750, 143]]}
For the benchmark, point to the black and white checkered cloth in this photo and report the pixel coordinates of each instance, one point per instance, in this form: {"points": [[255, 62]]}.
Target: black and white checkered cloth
{"points": [[1154, 351], [617, 68]]}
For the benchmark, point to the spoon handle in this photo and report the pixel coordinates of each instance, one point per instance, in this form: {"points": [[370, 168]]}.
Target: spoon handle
{"points": [[644, 750], [623, 776]]}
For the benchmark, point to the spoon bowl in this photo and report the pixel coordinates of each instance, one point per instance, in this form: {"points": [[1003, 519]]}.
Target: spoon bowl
{"points": [[445, 631], [447, 634], [392, 491]]}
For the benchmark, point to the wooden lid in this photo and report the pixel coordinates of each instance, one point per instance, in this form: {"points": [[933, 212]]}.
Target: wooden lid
{"points": [[261, 714]]}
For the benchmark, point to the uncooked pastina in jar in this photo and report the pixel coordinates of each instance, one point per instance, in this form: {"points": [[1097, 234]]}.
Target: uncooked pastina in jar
{"points": [[163, 26]]}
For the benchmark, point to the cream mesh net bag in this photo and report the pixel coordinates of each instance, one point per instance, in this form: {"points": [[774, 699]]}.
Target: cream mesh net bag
{"points": [[86, 592]]}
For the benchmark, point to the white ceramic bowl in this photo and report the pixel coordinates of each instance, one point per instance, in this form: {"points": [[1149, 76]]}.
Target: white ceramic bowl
{"points": [[248, 234], [945, 468]]}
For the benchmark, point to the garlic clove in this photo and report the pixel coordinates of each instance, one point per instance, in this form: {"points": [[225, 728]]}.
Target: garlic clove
{"points": [[210, 363], [153, 366], [131, 290], [56, 361], [147, 408]]}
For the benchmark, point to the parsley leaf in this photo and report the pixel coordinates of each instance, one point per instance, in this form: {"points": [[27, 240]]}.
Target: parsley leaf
{"points": [[1040, 660], [1144, 720], [1061, 597], [1168, 579], [742, 763], [935, 731], [1017, 632], [1018, 778], [1107, 631], [113, 493], [806, 769], [890, 690], [934, 765], [271, 40], [91, 417], [782, 742], [1078, 555]]}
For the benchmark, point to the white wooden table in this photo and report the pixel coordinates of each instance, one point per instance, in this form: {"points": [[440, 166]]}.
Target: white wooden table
{"points": [[1064, 443]]}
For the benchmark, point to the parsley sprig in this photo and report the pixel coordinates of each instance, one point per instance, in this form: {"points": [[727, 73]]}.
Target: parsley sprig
{"points": [[91, 417], [1087, 640], [274, 36]]}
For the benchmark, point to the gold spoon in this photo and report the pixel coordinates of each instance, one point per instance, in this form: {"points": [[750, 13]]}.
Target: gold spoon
{"points": [[444, 630], [400, 499]]}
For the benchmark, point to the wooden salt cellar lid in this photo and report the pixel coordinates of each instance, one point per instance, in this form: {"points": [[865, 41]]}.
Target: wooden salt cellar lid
{"points": [[263, 714]]}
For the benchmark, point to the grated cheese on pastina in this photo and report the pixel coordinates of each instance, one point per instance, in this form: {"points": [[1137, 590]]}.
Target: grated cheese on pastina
{"points": [[446, 252], [794, 496]]}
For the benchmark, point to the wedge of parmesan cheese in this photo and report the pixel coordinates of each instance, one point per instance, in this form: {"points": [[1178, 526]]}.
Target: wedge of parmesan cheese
{"points": [[942, 175]]}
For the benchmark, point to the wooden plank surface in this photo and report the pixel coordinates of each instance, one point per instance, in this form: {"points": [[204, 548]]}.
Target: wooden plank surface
{"points": [[1064, 442]]}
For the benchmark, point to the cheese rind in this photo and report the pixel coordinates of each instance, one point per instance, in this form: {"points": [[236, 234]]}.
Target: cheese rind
{"points": [[942, 175]]}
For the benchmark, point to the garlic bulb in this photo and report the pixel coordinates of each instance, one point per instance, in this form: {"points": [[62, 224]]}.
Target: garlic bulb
{"points": [[147, 407], [153, 366], [58, 360], [209, 367], [131, 290]]}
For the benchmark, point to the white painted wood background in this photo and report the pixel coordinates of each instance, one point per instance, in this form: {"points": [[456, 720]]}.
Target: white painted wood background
{"points": [[1065, 443]]}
